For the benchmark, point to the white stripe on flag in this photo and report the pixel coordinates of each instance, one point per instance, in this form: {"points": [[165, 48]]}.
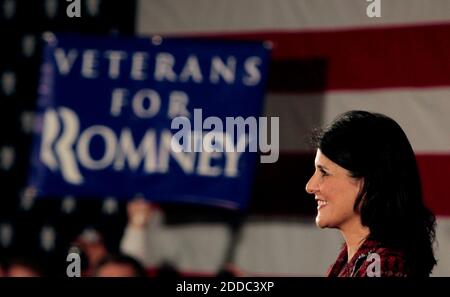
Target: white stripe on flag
{"points": [[190, 16], [423, 113]]}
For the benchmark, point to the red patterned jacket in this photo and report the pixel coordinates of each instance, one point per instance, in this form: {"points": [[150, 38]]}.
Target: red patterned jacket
{"points": [[362, 264]]}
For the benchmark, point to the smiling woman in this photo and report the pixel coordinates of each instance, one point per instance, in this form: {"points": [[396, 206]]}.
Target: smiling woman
{"points": [[335, 187], [367, 185]]}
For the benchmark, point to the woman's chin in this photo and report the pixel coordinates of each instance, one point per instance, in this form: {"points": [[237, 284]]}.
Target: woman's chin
{"points": [[320, 222], [323, 221]]}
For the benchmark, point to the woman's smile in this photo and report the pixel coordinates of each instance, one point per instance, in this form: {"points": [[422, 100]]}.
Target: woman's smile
{"points": [[321, 204]]}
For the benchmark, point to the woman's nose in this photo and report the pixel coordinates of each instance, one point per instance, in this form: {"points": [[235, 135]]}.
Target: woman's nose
{"points": [[311, 186]]}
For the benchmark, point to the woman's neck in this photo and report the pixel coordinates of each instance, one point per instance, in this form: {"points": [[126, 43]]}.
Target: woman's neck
{"points": [[354, 237]]}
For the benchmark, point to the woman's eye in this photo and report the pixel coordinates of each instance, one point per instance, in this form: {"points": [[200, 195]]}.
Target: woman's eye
{"points": [[323, 172]]}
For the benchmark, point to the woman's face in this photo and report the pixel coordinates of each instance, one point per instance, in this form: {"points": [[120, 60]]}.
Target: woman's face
{"points": [[335, 192]]}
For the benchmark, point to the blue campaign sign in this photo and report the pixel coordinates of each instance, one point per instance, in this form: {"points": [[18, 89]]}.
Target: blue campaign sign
{"points": [[106, 109]]}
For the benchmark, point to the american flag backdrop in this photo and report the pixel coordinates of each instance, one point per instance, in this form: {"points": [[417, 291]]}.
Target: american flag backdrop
{"points": [[328, 57]]}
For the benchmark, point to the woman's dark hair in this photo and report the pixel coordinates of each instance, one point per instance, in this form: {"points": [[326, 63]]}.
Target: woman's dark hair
{"points": [[374, 147]]}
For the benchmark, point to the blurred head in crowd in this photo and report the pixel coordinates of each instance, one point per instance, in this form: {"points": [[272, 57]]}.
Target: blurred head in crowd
{"points": [[366, 176], [167, 270], [91, 247], [119, 265], [20, 266], [229, 270]]}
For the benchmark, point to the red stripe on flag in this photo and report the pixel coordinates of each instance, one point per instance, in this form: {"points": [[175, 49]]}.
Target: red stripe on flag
{"points": [[435, 172], [409, 56]]}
